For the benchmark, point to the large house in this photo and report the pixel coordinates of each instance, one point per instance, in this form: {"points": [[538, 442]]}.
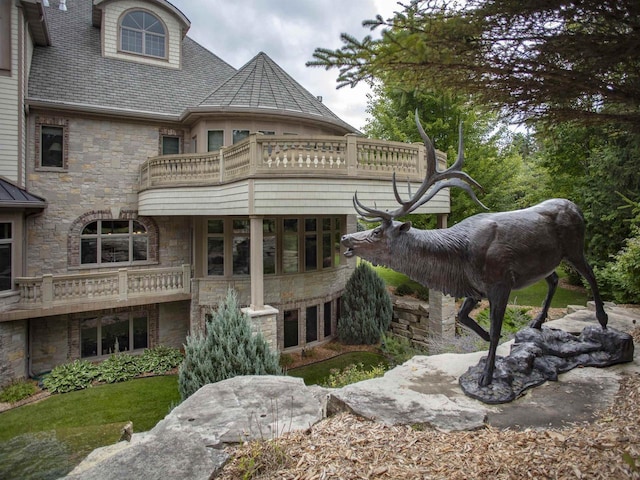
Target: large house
{"points": [[141, 176]]}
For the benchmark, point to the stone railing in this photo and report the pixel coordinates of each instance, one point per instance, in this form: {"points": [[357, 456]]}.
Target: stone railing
{"points": [[265, 155], [118, 285]]}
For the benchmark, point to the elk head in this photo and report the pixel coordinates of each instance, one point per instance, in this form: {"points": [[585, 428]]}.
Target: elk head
{"points": [[375, 245]]}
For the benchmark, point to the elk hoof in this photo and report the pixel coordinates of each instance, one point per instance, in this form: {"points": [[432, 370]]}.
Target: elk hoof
{"points": [[484, 380]]}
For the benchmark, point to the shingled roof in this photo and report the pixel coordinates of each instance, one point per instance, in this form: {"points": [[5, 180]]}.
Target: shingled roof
{"points": [[263, 84], [73, 73]]}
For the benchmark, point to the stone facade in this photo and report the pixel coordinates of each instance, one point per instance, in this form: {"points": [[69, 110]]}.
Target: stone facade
{"points": [[13, 351]]}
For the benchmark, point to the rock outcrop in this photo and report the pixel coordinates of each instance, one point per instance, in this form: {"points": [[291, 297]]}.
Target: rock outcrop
{"points": [[189, 442]]}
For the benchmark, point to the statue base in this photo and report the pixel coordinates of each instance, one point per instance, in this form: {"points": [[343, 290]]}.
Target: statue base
{"points": [[540, 355]]}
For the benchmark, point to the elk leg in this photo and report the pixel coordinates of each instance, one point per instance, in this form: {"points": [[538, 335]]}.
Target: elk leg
{"points": [[552, 283], [464, 318], [585, 270], [497, 307]]}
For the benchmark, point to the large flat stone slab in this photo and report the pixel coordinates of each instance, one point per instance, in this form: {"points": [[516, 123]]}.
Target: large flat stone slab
{"points": [[246, 408]]}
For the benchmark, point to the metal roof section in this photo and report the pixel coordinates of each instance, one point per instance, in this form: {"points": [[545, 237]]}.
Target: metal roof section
{"points": [[12, 196]]}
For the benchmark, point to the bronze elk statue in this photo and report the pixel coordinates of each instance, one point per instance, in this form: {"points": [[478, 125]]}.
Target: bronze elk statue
{"points": [[484, 256]]}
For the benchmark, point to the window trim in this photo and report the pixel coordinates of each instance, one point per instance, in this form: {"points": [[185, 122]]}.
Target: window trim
{"points": [[11, 242], [75, 235], [5, 38], [57, 122], [131, 315], [144, 34]]}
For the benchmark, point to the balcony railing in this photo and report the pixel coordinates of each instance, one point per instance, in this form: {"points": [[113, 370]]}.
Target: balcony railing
{"points": [[264, 155], [120, 285]]}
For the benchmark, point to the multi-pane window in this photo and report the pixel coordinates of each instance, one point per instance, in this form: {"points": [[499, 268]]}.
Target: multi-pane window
{"points": [[142, 33], [51, 146], [6, 256], [109, 334], [239, 135], [113, 241], [215, 140], [170, 145], [215, 247], [289, 245]]}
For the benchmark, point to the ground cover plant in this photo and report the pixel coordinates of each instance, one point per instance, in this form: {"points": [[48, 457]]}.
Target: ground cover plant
{"points": [[119, 367], [319, 373]]}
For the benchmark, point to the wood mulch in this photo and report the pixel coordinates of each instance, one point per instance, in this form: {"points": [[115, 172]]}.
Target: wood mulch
{"points": [[348, 447]]}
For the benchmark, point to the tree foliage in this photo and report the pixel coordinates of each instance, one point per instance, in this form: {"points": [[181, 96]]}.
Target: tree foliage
{"points": [[366, 308], [226, 349], [489, 157], [531, 59]]}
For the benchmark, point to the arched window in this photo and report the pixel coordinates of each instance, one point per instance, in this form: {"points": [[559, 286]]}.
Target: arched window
{"points": [[113, 241], [142, 33]]}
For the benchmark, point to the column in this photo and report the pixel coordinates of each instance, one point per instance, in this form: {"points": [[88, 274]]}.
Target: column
{"points": [[257, 272]]}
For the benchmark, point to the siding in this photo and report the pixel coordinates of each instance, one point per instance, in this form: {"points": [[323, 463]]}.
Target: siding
{"points": [[9, 109], [280, 196]]}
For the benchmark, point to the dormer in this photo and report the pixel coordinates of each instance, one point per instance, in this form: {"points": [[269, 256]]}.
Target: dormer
{"points": [[144, 31]]}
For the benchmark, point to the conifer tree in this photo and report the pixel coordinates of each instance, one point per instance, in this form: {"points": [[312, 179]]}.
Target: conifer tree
{"points": [[366, 308], [226, 349]]}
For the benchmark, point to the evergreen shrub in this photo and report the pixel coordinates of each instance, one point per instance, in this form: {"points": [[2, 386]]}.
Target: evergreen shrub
{"points": [[366, 308], [227, 348]]}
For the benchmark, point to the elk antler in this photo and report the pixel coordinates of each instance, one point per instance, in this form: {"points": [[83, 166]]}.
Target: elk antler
{"points": [[434, 182]]}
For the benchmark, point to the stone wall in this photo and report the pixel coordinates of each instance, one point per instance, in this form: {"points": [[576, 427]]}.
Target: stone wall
{"points": [[417, 320], [13, 351]]}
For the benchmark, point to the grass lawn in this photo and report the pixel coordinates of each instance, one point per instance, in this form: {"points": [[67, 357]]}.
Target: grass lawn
{"points": [[50, 437], [530, 296], [316, 373]]}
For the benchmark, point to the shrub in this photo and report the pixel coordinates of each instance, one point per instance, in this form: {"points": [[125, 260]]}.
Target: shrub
{"points": [[620, 278], [399, 349], [352, 374], [119, 367], [422, 293], [404, 289], [226, 349], [17, 390], [71, 376], [160, 359], [515, 318], [367, 308]]}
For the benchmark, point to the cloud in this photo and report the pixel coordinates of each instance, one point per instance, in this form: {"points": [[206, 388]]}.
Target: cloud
{"points": [[288, 31]]}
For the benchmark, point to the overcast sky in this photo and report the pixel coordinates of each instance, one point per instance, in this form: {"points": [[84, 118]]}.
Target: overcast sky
{"points": [[288, 31]]}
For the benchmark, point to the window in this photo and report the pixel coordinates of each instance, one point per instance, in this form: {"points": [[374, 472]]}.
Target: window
{"points": [[109, 334], [312, 324], [170, 145], [290, 328], [241, 247], [310, 245], [142, 33], [5, 37], [327, 319], [215, 140], [215, 247], [113, 241], [239, 135], [269, 251], [6, 256], [290, 246], [52, 144]]}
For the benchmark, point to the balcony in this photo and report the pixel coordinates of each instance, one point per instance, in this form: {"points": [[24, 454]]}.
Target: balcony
{"points": [[270, 175], [270, 155], [59, 294]]}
